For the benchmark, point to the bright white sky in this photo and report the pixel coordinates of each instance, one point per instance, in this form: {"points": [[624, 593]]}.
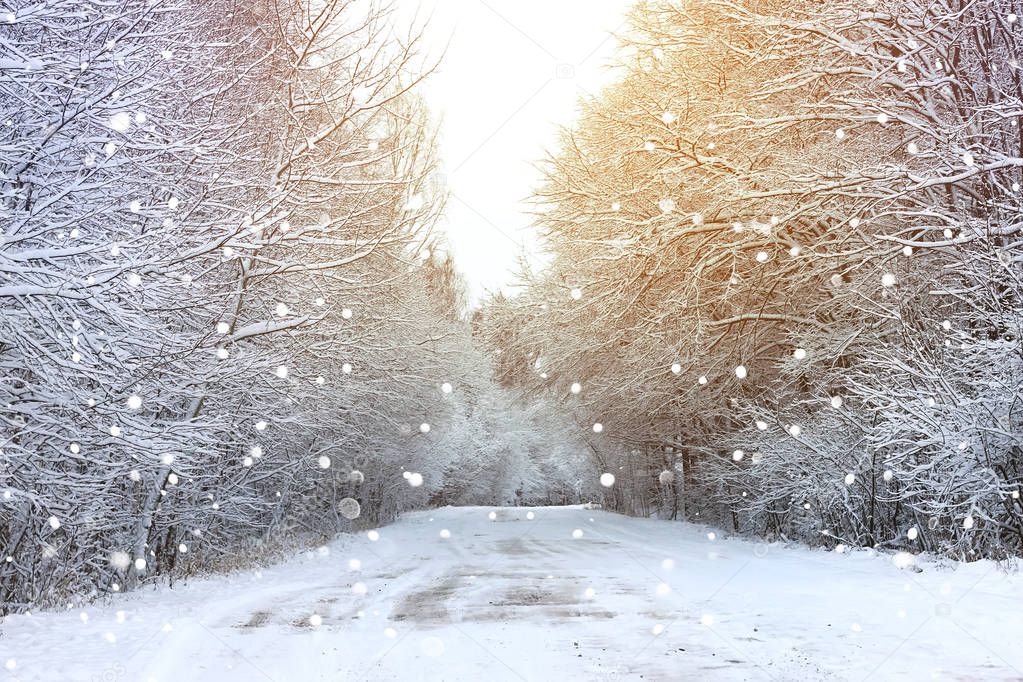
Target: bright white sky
{"points": [[514, 70]]}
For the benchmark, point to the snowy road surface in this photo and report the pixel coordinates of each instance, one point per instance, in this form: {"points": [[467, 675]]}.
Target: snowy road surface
{"points": [[452, 594]]}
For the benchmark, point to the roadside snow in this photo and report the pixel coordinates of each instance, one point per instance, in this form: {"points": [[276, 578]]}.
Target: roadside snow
{"points": [[570, 594]]}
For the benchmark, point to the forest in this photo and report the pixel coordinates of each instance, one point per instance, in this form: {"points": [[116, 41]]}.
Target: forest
{"points": [[787, 273], [227, 319], [783, 294]]}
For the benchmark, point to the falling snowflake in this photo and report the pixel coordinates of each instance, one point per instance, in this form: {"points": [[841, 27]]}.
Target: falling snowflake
{"points": [[119, 560], [120, 122], [349, 508], [415, 203], [903, 559]]}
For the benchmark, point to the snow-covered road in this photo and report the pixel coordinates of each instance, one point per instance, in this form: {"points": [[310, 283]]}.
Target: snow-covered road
{"points": [[543, 594]]}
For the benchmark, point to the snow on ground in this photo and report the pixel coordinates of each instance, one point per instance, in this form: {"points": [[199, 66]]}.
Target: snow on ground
{"points": [[453, 594]]}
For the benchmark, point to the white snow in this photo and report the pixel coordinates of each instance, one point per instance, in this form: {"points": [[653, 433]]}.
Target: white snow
{"points": [[519, 599]]}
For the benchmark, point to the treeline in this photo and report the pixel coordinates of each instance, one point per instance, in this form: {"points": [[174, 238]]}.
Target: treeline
{"points": [[786, 274], [221, 323]]}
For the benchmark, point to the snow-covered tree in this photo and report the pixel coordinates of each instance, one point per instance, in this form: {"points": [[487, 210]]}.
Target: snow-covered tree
{"points": [[216, 321], [801, 215]]}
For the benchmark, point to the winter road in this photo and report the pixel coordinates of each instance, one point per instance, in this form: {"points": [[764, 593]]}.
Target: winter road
{"points": [[543, 594]]}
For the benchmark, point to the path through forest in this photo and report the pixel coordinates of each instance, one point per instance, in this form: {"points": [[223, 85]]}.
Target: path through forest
{"points": [[543, 594]]}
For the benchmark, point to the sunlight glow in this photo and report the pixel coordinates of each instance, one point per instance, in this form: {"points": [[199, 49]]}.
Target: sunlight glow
{"points": [[511, 75]]}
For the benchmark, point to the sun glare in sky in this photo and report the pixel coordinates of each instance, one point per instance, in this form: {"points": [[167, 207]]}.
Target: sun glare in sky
{"points": [[512, 73]]}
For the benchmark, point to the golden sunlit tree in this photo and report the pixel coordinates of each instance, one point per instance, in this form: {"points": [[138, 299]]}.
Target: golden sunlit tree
{"points": [[786, 271]]}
